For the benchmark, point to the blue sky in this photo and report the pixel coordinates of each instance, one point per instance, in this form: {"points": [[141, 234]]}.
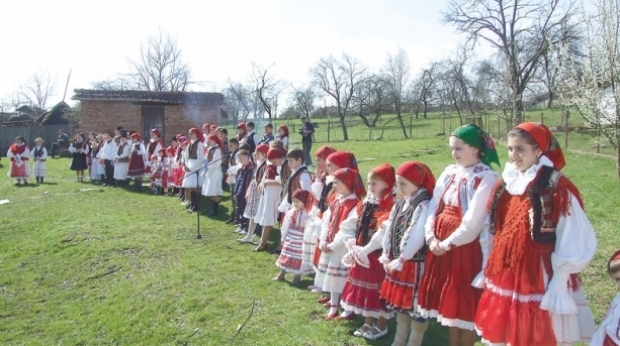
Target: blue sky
{"points": [[219, 39]]}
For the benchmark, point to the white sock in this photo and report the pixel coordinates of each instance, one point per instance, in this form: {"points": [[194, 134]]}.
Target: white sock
{"points": [[333, 301]]}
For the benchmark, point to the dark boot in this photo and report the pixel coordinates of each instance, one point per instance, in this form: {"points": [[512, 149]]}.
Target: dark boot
{"points": [[213, 211], [37, 179], [192, 205], [233, 217], [41, 180]]}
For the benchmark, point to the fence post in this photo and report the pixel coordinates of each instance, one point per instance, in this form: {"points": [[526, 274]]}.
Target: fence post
{"points": [[499, 127], [328, 126], [411, 126], [542, 117], [598, 137], [566, 129]]}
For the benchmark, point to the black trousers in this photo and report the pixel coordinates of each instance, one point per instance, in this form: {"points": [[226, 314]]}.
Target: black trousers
{"points": [[240, 209], [109, 172], [307, 146]]}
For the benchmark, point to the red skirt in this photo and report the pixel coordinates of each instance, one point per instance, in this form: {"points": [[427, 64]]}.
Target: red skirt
{"points": [[509, 311], [164, 179], [19, 172], [317, 256], [177, 176], [136, 167], [147, 169], [400, 289], [446, 291], [361, 292], [609, 342], [89, 161]]}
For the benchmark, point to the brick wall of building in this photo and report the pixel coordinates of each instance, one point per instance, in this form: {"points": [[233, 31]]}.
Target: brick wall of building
{"points": [[102, 116], [179, 119]]}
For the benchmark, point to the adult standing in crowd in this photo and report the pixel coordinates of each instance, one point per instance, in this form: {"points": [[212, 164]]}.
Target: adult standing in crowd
{"points": [[108, 153], [306, 132], [62, 142]]}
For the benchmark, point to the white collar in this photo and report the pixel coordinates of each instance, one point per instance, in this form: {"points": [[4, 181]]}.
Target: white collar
{"points": [[298, 169], [329, 179], [517, 181], [341, 198], [371, 199]]}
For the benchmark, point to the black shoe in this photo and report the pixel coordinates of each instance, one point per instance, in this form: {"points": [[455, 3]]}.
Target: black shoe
{"points": [[275, 251], [230, 221], [41, 180], [213, 211]]}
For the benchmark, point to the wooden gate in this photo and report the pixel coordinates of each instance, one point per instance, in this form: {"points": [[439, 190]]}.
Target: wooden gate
{"points": [[153, 118]]}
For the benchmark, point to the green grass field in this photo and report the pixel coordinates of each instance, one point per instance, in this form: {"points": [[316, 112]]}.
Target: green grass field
{"points": [[82, 264]]}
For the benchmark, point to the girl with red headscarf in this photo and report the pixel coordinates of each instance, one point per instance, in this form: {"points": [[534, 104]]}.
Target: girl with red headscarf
{"points": [[253, 195], [404, 251], [212, 186], [542, 240], [361, 292], [155, 144], [193, 157], [332, 274], [283, 135], [18, 154], [608, 333]]}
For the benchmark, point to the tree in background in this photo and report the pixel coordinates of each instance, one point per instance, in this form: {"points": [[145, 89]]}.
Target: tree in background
{"points": [[396, 72], [267, 89], [521, 30], [303, 99], [37, 90]]}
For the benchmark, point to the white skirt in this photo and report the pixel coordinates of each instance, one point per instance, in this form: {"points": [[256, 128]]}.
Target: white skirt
{"points": [[191, 180], [212, 185], [332, 275], [267, 213], [311, 240], [39, 169], [96, 170], [120, 170]]}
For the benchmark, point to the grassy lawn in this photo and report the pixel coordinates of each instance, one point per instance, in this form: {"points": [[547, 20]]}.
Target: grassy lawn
{"points": [[82, 264]]}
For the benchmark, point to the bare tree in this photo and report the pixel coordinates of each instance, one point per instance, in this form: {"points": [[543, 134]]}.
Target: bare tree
{"points": [[161, 67], [396, 73], [37, 90], [424, 89], [593, 84], [120, 83], [266, 88], [304, 98], [339, 79], [520, 29], [241, 101]]}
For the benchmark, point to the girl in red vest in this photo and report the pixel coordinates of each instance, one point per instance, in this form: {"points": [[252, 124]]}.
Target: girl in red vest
{"points": [[361, 292], [18, 154], [455, 237], [332, 274], [542, 240]]}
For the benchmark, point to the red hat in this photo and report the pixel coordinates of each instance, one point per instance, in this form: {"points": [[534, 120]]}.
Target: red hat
{"points": [[216, 139], [183, 139], [301, 195], [615, 256], [386, 173], [547, 143], [262, 148], [284, 129], [242, 126], [136, 136], [276, 152], [197, 133], [207, 125], [351, 178], [170, 150], [178, 136], [419, 174], [156, 131], [343, 159], [324, 151], [213, 127]]}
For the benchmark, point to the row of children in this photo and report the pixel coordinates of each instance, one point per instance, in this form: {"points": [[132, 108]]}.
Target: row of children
{"points": [[495, 256]]}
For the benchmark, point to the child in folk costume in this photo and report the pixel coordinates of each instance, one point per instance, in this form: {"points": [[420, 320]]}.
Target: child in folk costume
{"points": [[178, 170], [542, 240], [608, 333], [193, 162], [299, 178], [334, 162], [313, 224], [121, 160], [154, 146], [283, 136], [242, 133], [404, 250], [97, 169], [231, 161], [39, 157], [457, 234], [79, 149], [18, 154], [244, 178], [292, 234], [137, 164], [167, 171], [212, 186], [332, 274], [361, 292], [253, 194], [271, 187], [156, 174]]}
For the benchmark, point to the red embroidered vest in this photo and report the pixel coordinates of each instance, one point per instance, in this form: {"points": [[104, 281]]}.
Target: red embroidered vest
{"points": [[340, 210]]}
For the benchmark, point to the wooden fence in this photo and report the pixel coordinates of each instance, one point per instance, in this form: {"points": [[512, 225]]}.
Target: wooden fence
{"points": [[49, 133]]}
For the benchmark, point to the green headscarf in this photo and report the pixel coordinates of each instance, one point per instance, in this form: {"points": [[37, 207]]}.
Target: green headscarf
{"points": [[478, 138]]}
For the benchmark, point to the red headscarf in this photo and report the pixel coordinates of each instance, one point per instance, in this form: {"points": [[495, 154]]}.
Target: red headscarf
{"points": [[284, 129], [386, 173], [615, 256], [419, 174], [179, 136], [156, 131], [276, 152], [213, 127], [216, 139], [242, 126], [197, 133], [137, 137], [324, 151], [207, 125], [301, 195], [546, 142], [262, 148], [170, 150], [351, 178], [343, 159]]}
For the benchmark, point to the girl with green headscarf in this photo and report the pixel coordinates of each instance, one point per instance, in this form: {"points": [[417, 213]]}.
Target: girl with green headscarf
{"points": [[457, 235]]}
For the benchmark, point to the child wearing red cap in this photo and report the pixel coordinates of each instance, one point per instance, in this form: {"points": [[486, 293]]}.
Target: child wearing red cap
{"points": [[154, 146], [332, 274], [212, 186], [166, 166], [404, 251], [271, 186], [253, 195], [283, 135], [457, 234], [137, 163], [361, 292], [608, 333], [292, 234], [542, 240]]}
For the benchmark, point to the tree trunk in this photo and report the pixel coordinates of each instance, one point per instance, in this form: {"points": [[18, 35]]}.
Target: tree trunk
{"points": [[517, 111], [402, 124], [550, 102], [345, 134], [618, 161], [377, 116], [425, 109]]}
